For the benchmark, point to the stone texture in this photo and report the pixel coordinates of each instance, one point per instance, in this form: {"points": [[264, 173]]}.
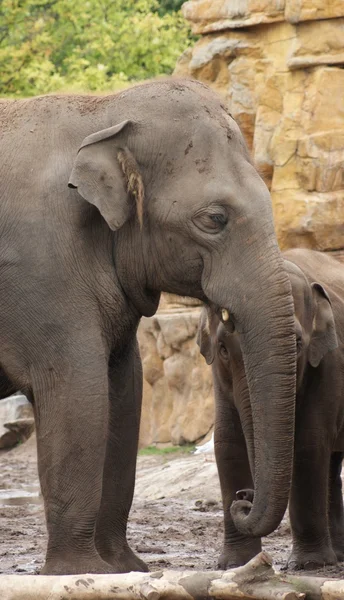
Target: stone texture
{"points": [[208, 16], [178, 405], [307, 151], [215, 15], [283, 82], [317, 43], [309, 220], [306, 10]]}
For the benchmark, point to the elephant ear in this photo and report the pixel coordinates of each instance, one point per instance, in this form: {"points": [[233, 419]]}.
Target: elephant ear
{"points": [[204, 338], [106, 175], [324, 336]]}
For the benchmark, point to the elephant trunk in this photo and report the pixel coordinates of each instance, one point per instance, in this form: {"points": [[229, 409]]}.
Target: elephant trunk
{"points": [[262, 312]]}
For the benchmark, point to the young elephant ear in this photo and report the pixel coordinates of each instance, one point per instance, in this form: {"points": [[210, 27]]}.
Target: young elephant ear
{"points": [[204, 339], [104, 174], [324, 337]]}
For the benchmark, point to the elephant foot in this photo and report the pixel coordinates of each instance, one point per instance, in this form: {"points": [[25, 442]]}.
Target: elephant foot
{"points": [[231, 558], [309, 561], [76, 565], [125, 561]]}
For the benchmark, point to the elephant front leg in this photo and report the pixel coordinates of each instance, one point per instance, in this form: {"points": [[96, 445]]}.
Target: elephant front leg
{"points": [[235, 476], [336, 512], [125, 391], [71, 414], [308, 508]]}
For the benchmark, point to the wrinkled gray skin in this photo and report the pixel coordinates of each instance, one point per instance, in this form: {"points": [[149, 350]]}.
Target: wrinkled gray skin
{"points": [[77, 271], [316, 503]]}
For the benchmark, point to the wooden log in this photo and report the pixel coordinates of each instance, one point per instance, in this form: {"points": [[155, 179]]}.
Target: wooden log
{"points": [[318, 588], [255, 581]]}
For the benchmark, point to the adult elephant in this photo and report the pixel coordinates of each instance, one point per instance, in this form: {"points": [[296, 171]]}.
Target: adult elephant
{"points": [[106, 202]]}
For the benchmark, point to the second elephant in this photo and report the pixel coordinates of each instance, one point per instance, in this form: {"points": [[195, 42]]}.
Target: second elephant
{"points": [[316, 502]]}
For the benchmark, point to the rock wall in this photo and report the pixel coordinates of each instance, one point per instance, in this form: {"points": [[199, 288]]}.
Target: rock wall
{"points": [[178, 405], [279, 64]]}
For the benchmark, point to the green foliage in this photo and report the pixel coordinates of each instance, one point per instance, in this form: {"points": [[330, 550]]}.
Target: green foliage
{"points": [[169, 6], [94, 45]]}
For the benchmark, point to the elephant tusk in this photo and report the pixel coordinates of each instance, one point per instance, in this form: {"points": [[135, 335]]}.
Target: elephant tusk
{"points": [[225, 314]]}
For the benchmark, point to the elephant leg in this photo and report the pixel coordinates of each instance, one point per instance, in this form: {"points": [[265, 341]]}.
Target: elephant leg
{"points": [[71, 414], [336, 511], [125, 390], [308, 507], [234, 473]]}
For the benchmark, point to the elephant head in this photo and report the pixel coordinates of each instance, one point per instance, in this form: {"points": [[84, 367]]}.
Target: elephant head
{"points": [[173, 179], [314, 321]]}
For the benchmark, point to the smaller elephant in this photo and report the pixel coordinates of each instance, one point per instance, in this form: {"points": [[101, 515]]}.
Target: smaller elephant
{"points": [[315, 498]]}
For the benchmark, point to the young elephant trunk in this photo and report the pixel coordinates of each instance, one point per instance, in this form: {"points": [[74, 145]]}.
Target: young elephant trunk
{"points": [[263, 317]]}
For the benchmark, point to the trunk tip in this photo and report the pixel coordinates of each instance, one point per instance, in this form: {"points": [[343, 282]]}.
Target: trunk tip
{"points": [[240, 510]]}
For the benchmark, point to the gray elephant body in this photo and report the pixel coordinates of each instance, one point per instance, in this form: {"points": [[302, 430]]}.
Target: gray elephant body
{"points": [[316, 503], [106, 202]]}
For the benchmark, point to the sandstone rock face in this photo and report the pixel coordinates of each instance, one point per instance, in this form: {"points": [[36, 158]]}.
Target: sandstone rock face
{"points": [[306, 10], [317, 43], [215, 15], [282, 79], [178, 404]]}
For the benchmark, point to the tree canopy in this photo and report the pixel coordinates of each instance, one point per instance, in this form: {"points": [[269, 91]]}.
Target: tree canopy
{"points": [[91, 45]]}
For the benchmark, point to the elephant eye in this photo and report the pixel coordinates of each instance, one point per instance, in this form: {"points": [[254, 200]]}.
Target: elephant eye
{"points": [[298, 344], [223, 351], [219, 219], [211, 221]]}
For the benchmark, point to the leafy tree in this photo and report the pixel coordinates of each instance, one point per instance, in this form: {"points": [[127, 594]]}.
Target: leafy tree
{"points": [[169, 6], [86, 44]]}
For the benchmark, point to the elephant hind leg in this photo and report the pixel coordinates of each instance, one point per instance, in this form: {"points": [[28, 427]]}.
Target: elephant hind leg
{"points": [[336, 510]]}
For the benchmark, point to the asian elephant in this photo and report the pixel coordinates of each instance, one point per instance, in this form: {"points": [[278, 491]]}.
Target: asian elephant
{"points": [[105, 202], [316, 502]]}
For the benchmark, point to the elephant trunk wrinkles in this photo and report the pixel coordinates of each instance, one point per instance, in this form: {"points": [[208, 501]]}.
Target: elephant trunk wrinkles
{"points": [[269, 355], [261, 306]]}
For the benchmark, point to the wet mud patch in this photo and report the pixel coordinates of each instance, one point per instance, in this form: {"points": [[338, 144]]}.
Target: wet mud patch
{"points": [[176, 520]]}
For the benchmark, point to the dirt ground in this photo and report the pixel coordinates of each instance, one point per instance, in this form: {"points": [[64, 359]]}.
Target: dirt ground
{"points": [[176, 520]]}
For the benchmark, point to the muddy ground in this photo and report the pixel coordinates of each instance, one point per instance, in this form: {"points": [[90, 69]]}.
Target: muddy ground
{"points": [[176, 520]]}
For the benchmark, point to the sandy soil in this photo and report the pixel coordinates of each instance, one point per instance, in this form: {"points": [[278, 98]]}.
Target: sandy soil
{"points": [[176, 520]]}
